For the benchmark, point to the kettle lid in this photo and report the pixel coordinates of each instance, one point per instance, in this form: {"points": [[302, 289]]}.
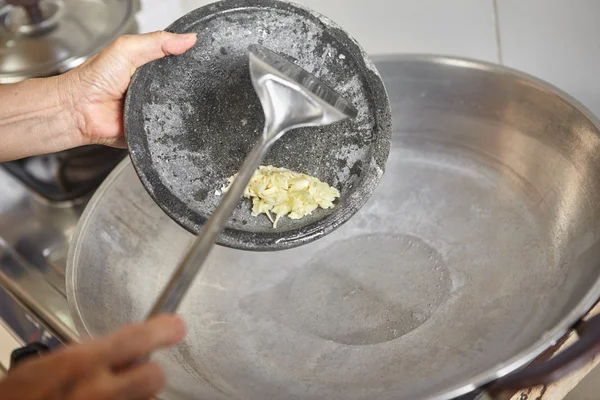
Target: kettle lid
{"points": [[41, 38]]}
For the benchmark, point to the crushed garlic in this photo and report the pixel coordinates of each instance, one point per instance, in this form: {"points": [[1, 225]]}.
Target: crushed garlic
{"points": [[284, 192]]}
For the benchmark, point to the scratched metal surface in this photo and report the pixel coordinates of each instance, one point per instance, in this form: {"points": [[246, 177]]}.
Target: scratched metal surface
{"points": [[191, 120], [478, 249]]}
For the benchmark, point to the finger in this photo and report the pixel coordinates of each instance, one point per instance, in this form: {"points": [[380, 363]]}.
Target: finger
{"points": [[140, 382], [137, 340], [64, 365], [141, 49], [53, 375], [27, 378], [100, 386], [143, 381]]}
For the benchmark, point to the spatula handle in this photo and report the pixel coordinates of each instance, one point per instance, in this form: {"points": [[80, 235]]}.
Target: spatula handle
{"points": [[192, 263]]}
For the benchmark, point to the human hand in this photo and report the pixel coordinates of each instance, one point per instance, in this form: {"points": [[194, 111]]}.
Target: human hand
{"points": [[95, 90], [98, 369]]}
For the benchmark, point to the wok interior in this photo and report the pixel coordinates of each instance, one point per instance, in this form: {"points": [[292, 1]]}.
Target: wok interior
{"points": [[479, 240]]}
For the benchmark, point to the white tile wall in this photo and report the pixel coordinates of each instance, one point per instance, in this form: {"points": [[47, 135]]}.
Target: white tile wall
{"points": [[555, 40], [456, 27], [158, 14]]}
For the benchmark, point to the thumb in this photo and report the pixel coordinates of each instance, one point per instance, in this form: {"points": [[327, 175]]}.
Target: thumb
{"points": [[141, 49]]}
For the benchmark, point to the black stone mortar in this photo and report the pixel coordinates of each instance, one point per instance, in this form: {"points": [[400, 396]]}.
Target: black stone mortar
{"points": [[191, 120]]}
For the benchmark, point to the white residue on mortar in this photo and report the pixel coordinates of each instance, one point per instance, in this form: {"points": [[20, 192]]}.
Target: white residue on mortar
{"points": [[162, 120], [165, 124], [188, 174], [353, 89], [281, 36], [329, 51], [351, 153]]}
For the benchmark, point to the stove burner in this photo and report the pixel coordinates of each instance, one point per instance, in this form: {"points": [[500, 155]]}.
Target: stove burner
{"points": [[66, 175]]}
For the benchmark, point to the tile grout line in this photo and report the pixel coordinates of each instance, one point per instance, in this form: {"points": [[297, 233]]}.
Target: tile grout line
{"points": [[497, 31]]}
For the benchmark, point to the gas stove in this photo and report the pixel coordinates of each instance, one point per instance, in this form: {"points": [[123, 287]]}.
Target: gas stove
{"points": [[41, 200]]}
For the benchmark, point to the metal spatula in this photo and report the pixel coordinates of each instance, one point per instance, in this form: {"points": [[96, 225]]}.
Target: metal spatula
{"points": [[291, 98]]}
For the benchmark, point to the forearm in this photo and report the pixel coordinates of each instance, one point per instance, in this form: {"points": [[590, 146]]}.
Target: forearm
{"points": [[35, 119]]}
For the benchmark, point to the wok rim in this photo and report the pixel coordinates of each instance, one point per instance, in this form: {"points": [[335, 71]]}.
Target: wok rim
{"points": [[500, 370]]}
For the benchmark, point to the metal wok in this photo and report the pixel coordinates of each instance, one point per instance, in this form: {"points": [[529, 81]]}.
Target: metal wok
{"points": [[478, 250]]}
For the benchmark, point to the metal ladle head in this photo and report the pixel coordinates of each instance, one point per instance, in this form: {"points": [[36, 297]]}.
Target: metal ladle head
{"points": [[291, 98]]}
